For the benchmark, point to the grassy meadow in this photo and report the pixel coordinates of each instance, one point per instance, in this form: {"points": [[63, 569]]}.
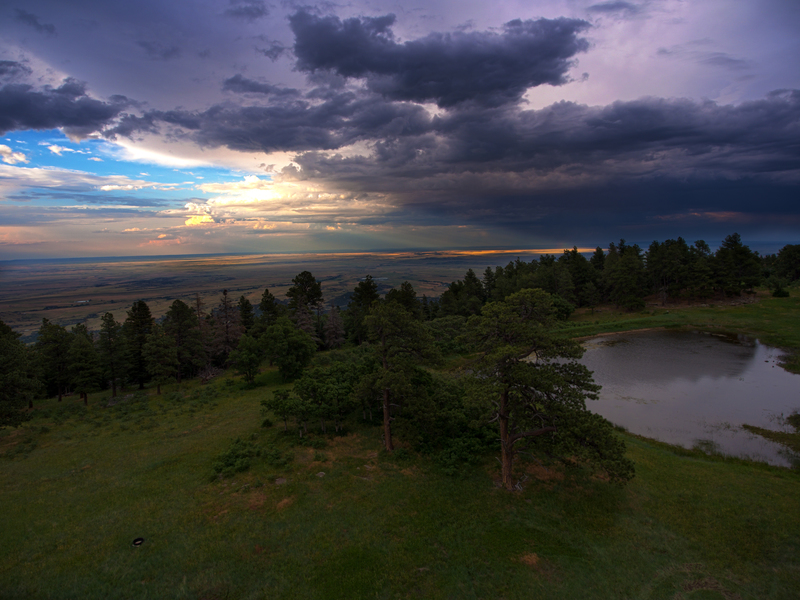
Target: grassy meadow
{"points": [[331, 516]]}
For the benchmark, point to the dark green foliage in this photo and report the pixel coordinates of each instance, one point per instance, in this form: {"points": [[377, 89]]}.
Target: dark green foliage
{"points": [[305, 291], [788, 262], [625, 277], [18, 382], [246, 316], [464, 297], [161, 356], [85, 369], [280, 405], [288, 347], [247, 358], [111, 349], [334, 330], [528, 381], [135, 330], [406, 297], [447, 334], [328, 390], [52, 345], [182, 325], [227, 329], [401, 342], [737, 267], [237, 458], [364, 295], [436, 420], [278, 459], [562, 307]]}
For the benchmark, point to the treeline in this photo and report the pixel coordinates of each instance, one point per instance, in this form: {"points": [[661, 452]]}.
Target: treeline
{"points": [[380, 349], [625, 275]]}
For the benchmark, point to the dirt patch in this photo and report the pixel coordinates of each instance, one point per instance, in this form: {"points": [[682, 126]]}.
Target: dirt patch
{"points": [[542, 473], [538, 564], [257, 500], [530, 559], [285, 503]]}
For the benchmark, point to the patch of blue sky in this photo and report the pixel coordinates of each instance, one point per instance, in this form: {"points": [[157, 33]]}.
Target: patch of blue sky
{"points": [[152, 185]]}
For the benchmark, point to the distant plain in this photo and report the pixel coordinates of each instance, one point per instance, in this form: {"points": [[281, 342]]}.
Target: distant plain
{"points": [[72, 291]]}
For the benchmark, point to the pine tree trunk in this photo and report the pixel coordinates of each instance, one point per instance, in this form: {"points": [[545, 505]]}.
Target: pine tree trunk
{"points": [[507, 456], [387, 428]]}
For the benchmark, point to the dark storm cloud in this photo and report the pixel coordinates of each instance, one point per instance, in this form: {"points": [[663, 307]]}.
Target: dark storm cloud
{"points": [[241, 85], [23, 16], [643, 138], [288, 123], [67, 106], [249, 10], [487, 68], [10, 70]]}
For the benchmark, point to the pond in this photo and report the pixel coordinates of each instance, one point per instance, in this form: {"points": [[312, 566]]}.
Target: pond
{"points": [[695, 389]]}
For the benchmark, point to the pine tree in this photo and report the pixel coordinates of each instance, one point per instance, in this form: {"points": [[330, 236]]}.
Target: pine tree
{"points": [[84, 365], [18, 382], [334, 329], [136, 328], [401, 342], [111, 351], [227, 328], [247, 358], [527, 379], [246, 316], [305, 291], [161, 356], [364, 294], [288, 347], [183, 326], [52, 345]]}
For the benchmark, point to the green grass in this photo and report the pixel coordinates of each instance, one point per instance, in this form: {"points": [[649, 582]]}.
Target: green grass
{"points": [[77, 485]]}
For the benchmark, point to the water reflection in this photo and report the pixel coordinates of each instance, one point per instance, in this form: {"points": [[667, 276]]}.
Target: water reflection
{"points": [[694, 389]]}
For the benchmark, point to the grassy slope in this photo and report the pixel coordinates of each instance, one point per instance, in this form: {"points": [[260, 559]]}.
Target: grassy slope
{"points": [[687, 526]]}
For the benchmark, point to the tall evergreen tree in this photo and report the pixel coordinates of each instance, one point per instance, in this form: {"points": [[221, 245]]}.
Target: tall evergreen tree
{"points": [[288, 347], [737, 267], [305, 290], [401, 342], [161, 356], [246, 316], [18, 381], [228, 328], [111, 350], [85, 369], [135, 329], [334, 329], [406, 297], [528, 380], [52, 346], [364, 294], [183, 326]]}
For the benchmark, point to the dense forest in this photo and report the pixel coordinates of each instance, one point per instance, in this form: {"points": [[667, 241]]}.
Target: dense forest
{"points": [[521, 377]]}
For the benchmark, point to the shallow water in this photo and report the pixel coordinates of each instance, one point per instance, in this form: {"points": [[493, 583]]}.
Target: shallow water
{"points": [[695, 389]]}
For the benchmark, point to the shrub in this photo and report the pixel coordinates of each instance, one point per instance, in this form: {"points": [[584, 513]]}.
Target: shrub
{"points": [[236, 458]]}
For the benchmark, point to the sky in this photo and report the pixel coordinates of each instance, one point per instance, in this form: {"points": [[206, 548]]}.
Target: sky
{"points": [[227, 126]]}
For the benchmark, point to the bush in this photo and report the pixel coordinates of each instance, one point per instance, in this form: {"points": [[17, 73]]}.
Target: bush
{"points": [[276, 458], [236, 458]]}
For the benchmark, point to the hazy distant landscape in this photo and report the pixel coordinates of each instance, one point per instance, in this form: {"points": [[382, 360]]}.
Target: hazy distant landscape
{"points": [[82, 290]]}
